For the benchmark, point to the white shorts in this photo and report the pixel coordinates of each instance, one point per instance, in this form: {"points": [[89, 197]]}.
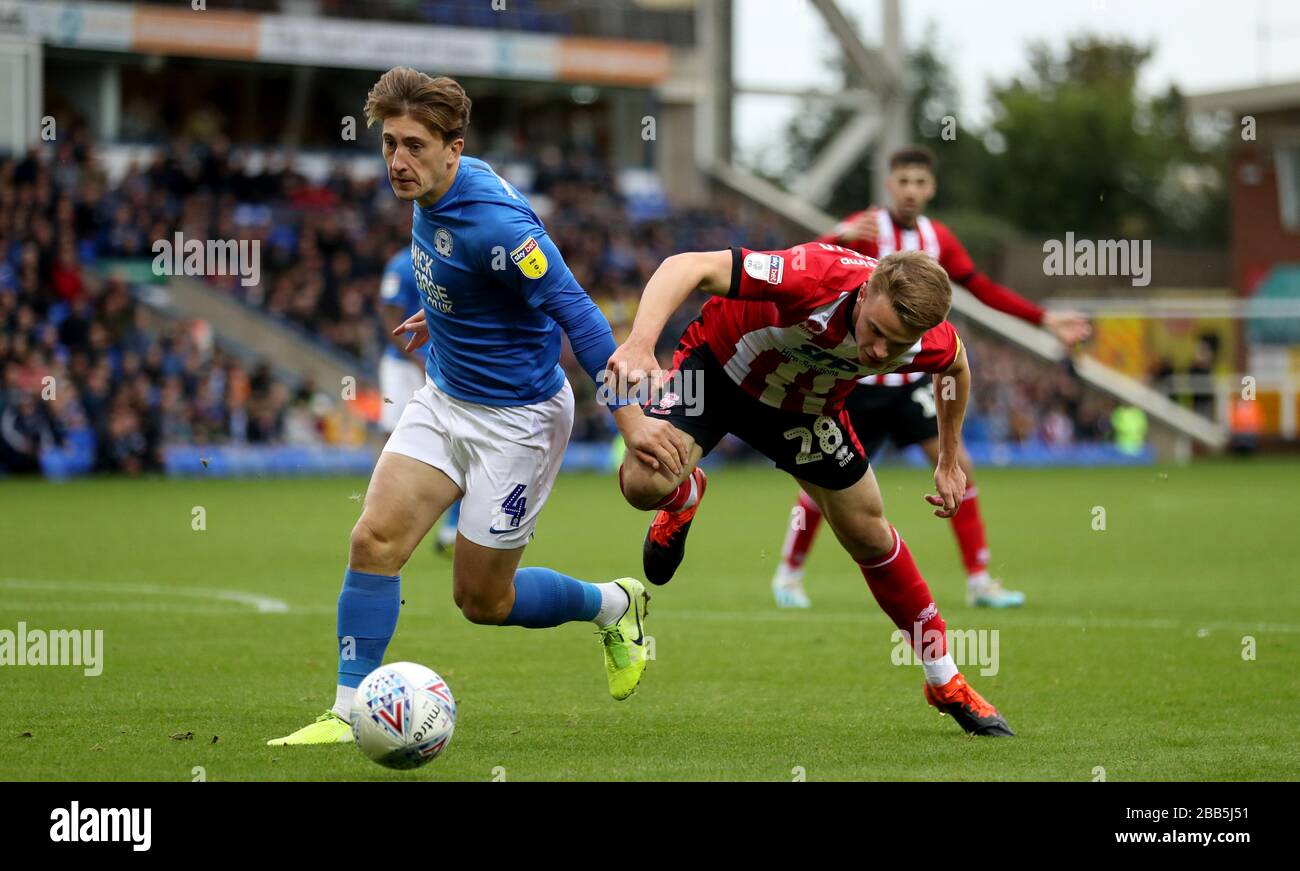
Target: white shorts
{"points": [[398, 381], [504, 458]]}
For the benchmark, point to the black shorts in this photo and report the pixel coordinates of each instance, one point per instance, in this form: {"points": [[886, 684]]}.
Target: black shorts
{"points": [[904, 414], [820, 449]]}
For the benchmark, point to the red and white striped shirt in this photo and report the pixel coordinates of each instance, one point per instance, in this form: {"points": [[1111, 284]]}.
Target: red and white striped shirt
{"points": [[942, 244], [935, 239], [784, 333]]}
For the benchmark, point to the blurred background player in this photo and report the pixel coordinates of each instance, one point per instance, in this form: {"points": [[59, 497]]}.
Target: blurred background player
{"points": [[401, 372], [901, 407]]}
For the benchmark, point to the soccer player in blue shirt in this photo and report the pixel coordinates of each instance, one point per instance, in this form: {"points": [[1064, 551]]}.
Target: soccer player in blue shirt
{"points": [[493, 419]]}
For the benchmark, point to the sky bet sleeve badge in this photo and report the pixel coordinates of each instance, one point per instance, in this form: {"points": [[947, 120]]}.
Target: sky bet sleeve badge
{"points": [[530, 259]]}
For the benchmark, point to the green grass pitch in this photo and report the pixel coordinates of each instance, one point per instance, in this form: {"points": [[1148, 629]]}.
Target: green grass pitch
{"points": [[1128, 656]]}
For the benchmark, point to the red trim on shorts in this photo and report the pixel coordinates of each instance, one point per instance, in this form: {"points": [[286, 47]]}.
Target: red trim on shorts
{"points": [[848, 424]]}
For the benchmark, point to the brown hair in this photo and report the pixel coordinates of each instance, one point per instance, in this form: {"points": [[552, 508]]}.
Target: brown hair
{"points": [[917, 287], [440, 104], [913, 155]]}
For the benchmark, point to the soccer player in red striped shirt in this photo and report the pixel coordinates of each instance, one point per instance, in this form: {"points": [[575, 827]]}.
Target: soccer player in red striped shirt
{"points": [[900, 407], [783, 339]]}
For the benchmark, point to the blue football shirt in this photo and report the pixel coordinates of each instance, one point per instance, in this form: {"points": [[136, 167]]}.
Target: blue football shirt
{"points": [[493, 287]]}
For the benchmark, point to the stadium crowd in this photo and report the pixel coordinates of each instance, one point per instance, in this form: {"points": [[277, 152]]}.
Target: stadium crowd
{"points": [[88, 369], [80, 354]]}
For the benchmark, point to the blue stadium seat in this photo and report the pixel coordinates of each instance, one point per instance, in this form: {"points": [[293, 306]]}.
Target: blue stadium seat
{"points": [[75, 457]]}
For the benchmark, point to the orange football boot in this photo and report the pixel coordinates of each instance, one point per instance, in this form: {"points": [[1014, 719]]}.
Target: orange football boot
{"points": [[665, 541], [972, 712]]}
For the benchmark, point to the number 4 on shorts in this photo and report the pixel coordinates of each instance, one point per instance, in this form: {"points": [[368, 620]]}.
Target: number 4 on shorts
{"points": [[515, 505]]}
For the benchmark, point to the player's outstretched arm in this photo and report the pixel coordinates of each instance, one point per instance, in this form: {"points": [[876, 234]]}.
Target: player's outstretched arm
{"points": [[592, 341], [676, 279], [1068, 327], [952, 391], [655, 441]]}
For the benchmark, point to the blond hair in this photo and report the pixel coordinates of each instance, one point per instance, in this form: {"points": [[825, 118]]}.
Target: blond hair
{"points": [[916, 286], [440, 104]]}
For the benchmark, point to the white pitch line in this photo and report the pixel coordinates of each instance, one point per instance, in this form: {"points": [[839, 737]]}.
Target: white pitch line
{"points": [[84, 607], [260, 604], [270, 605], [1014, 621]]}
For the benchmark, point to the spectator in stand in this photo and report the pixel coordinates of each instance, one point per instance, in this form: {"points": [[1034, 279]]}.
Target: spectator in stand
{"points": [[26, 428]]}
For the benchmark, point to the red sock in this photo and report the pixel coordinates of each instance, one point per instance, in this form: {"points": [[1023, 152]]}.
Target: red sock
{"points": [[968, 526], [687, 495], [903, 594], [799, 540]]}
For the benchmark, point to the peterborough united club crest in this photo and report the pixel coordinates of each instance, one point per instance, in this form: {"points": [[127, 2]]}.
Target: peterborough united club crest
{"points": [[442, 242]]}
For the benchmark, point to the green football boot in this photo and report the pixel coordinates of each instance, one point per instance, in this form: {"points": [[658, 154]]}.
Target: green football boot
{"points": [[329, 728], [625, 640]]}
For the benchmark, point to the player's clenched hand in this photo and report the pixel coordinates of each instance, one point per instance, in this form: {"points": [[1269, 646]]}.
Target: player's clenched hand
{"points": [[864, 228], [628, 366], [951, 484], [414, 324], [1070, 328], [657, 443]]}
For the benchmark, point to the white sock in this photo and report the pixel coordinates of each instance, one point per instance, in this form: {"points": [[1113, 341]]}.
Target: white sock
{"points": [[787, 577], [613, 604], [343, 700], [446, 535], [978, 580], [940, 671], [694, 498]]}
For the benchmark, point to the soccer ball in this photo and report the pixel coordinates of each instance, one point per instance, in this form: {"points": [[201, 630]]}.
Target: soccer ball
{"points": [[403, 715]]}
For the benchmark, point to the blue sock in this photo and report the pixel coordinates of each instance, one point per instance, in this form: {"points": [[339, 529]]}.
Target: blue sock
{"points": [[544, 598], [368, 606]]}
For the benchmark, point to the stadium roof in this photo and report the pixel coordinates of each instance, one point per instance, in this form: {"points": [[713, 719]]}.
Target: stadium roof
{"points": [[1262, 98]]}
